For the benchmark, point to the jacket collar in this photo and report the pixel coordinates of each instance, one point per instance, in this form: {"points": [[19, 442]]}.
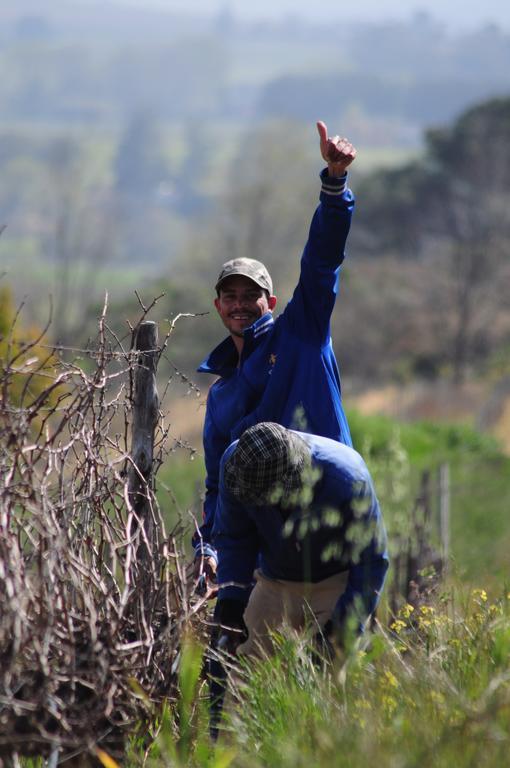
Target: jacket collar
{"points": [[222, 361]]}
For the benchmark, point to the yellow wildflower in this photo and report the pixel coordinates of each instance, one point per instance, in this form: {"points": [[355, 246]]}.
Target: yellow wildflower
{"points": [[389, 704], [424, 623], [406, 611], [390, 679], [437, 698], [456, 717]]}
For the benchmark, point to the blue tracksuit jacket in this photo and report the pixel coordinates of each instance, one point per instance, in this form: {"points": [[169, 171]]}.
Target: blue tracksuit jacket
{"points": [[340, 530], [287, 373]]}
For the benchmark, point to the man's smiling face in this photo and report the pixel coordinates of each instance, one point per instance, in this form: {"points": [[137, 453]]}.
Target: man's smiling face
{"points": [[241, 302]]}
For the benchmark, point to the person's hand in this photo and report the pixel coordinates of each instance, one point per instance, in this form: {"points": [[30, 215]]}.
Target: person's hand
{"points": [[230, 639], [204, 572], [337, 152]]}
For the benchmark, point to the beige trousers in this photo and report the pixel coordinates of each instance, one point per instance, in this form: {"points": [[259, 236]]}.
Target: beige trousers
{"points": [[274, 604]]}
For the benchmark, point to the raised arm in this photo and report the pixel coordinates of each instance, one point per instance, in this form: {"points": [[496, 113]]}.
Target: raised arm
{"points": [[309, 312]]}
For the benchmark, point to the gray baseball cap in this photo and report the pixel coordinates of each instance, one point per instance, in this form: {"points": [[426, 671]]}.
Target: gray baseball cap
{"points": [[251, 268]]}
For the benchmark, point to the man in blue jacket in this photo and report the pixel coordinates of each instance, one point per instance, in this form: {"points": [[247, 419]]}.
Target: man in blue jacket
{"points": [[303, 510], [281, 370]]}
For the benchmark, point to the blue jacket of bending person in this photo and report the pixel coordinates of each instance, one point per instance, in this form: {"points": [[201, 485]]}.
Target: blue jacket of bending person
{"points": [[339, 529]]}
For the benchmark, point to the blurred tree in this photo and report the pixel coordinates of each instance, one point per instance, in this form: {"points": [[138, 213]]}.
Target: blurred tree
{"points": [[25, 360], [412, 100], [451, 209], [145, 194], [484, 51], [140, 166], [33, 27], [181, 80], [269, 200], [79, 237], [6, 311], [188, 188], [394, 47]]}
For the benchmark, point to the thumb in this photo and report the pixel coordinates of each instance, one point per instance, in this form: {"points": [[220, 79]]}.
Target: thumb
{"points": [[323, 134]]}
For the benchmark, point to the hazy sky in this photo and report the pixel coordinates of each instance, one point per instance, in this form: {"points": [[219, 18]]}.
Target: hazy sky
{"points": [[458, 14]]}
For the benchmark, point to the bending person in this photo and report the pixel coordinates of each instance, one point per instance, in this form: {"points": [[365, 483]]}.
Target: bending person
{"points": [[303, 509]]}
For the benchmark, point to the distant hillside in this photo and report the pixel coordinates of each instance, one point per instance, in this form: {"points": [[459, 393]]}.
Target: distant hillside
{"points": [[93, 62], [93, 22]]}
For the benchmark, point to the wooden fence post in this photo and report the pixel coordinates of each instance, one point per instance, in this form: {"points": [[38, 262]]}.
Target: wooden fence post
{"points": [[145, 419], [419, 553], [444, 512]]}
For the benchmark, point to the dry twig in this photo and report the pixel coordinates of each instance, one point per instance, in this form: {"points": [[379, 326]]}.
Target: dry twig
{"points": [[86, 623]]}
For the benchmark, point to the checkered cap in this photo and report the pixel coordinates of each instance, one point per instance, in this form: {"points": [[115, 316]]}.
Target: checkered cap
{"points": [[251, 268], [268, 458]]}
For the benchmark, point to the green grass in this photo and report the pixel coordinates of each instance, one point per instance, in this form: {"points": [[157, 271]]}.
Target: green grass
{"points": [[180, 488], [436, 694], [398, 454], [425, 442], [432, 690], [431, 687]]}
